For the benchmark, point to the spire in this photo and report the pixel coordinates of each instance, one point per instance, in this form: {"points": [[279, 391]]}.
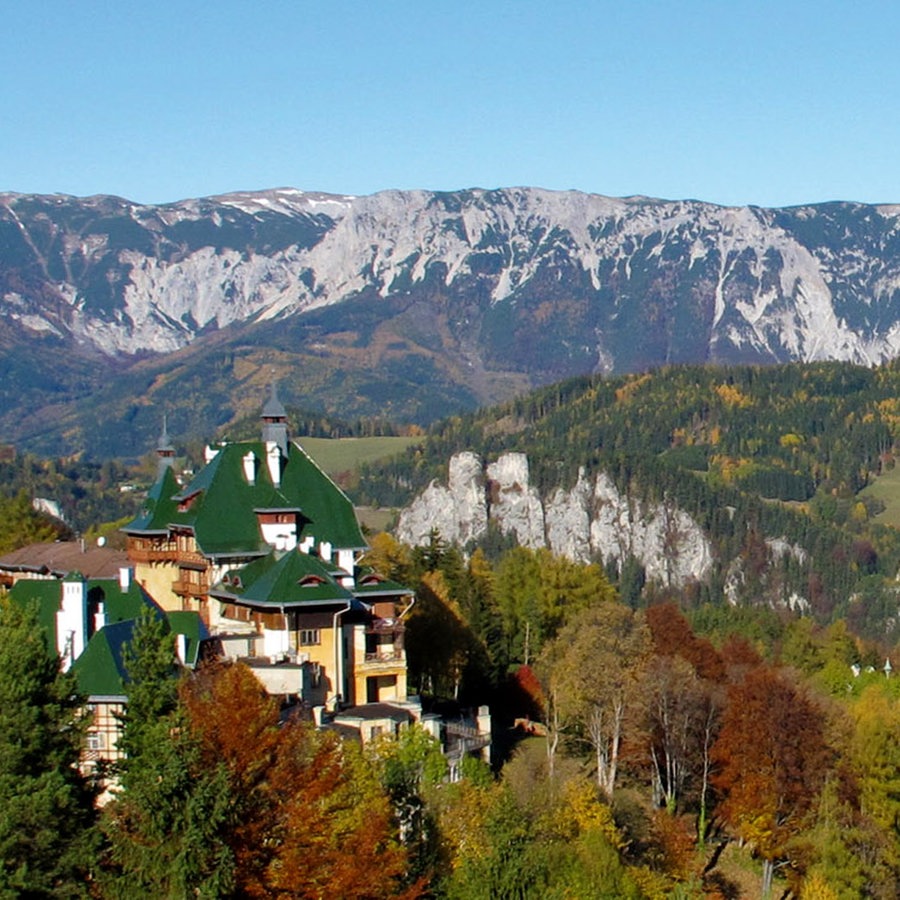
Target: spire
{"points": [[165, 451], [274, 411], [274, 420]]}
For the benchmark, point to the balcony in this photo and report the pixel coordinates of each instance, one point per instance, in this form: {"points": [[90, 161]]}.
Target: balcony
{"points": [[384, 660], [190, 588], [385, 626], [151, 555], [167, 554]]}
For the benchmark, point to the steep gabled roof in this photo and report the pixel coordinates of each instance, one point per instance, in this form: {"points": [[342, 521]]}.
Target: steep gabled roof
{"points": [[100, 671], [290, 579], [118, 605], [219, 505], [328, 509], [159, 507]]}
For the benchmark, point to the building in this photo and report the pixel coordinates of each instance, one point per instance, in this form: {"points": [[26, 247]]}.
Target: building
{"points": [[89, 622], [56, 559], [266, 548]]}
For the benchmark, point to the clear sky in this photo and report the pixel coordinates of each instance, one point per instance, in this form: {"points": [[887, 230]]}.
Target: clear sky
{"points": [[766, 103]]}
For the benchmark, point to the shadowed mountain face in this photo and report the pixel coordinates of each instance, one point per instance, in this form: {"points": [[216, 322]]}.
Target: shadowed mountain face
{"points": [[408, 305]]}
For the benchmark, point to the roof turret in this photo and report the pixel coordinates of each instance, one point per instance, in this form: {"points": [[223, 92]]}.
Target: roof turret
{"points": [[165, 450], [274, 420]]}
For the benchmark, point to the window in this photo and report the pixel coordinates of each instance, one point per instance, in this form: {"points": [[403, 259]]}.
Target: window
{"points": [[94, 740], [310, 637]]}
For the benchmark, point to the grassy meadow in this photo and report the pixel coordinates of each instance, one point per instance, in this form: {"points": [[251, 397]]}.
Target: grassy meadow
{"points": [[886, 488], [339, 455]]}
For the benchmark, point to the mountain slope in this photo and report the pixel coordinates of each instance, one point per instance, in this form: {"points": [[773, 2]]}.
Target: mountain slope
{"points": [[412, 304]]}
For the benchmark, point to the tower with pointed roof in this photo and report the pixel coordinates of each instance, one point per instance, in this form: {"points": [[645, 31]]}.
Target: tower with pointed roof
{"points": [[165, 451], [274, 419]]}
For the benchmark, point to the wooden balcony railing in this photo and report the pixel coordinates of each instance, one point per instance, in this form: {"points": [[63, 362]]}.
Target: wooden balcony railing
{"points": [[191, 588]]}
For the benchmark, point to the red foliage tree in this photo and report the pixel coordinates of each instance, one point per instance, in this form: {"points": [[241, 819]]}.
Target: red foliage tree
{"points": [[772, 760]]}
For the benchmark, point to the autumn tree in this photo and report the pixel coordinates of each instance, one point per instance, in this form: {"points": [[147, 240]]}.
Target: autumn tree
{"points": [[682, 701], [46, 806], [236, 725], [332, 823], [307, 814], [592, 674], [772, 759], [875, 753]]}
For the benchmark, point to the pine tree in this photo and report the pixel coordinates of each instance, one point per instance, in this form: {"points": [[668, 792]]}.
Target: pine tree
{"points": [[46, 806], [167, 826]]}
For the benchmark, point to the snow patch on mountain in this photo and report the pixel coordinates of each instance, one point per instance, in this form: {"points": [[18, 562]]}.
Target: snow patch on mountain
{"points": [[771, 289]]}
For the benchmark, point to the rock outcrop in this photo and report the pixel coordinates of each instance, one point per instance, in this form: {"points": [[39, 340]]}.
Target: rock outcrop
{"points": [[589, 521]]}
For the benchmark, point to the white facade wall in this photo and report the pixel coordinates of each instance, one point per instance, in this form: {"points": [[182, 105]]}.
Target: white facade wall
{"points": [[71, 630]]}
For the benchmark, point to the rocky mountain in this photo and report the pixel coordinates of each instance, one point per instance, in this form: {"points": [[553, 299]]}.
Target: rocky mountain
{"points": [[409, 305]]}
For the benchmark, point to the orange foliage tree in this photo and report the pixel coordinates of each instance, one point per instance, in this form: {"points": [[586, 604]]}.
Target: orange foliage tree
{"points": [[310, 819]]}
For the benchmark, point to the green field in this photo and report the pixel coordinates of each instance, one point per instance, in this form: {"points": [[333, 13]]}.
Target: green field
{"points": [[340, 455], [886, 488]]}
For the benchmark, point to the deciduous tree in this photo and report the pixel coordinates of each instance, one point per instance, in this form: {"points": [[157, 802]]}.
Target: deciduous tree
{"points": [[592, 672], [772, 760]]}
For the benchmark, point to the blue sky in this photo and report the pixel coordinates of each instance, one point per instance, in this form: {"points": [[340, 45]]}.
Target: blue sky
{"points": [[767, 103]]}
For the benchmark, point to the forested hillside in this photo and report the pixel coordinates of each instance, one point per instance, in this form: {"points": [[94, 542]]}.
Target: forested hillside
{"points": [[752, 454]]}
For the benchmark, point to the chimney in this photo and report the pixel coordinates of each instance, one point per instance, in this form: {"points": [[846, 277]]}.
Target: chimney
{"points": [[71, 619], [273, 459], [249, 461]]}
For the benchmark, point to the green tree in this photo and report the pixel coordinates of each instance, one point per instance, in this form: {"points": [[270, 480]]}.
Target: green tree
{"points": [[46, 806], [167, 826], [21, 524]]}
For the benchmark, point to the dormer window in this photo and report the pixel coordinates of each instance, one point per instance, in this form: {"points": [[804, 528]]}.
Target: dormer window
{"points": [[187, 501], [236, 582], [311, 581], [371, 578]]}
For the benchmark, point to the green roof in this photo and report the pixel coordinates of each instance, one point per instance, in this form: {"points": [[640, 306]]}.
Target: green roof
{"points": [[370, 586], [159, 507], [221, 503], [118, 605], [100, 670], [283, 578]]}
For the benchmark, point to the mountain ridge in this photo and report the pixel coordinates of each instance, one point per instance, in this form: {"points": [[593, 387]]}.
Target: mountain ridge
{"points": [[420, 303]]}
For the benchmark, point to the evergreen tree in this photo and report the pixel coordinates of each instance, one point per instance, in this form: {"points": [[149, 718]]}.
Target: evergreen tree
{"points": [[167, 825], [46, 806]]}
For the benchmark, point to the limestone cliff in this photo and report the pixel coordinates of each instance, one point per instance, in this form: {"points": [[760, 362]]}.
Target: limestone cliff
{"points": [[590, 520]]}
